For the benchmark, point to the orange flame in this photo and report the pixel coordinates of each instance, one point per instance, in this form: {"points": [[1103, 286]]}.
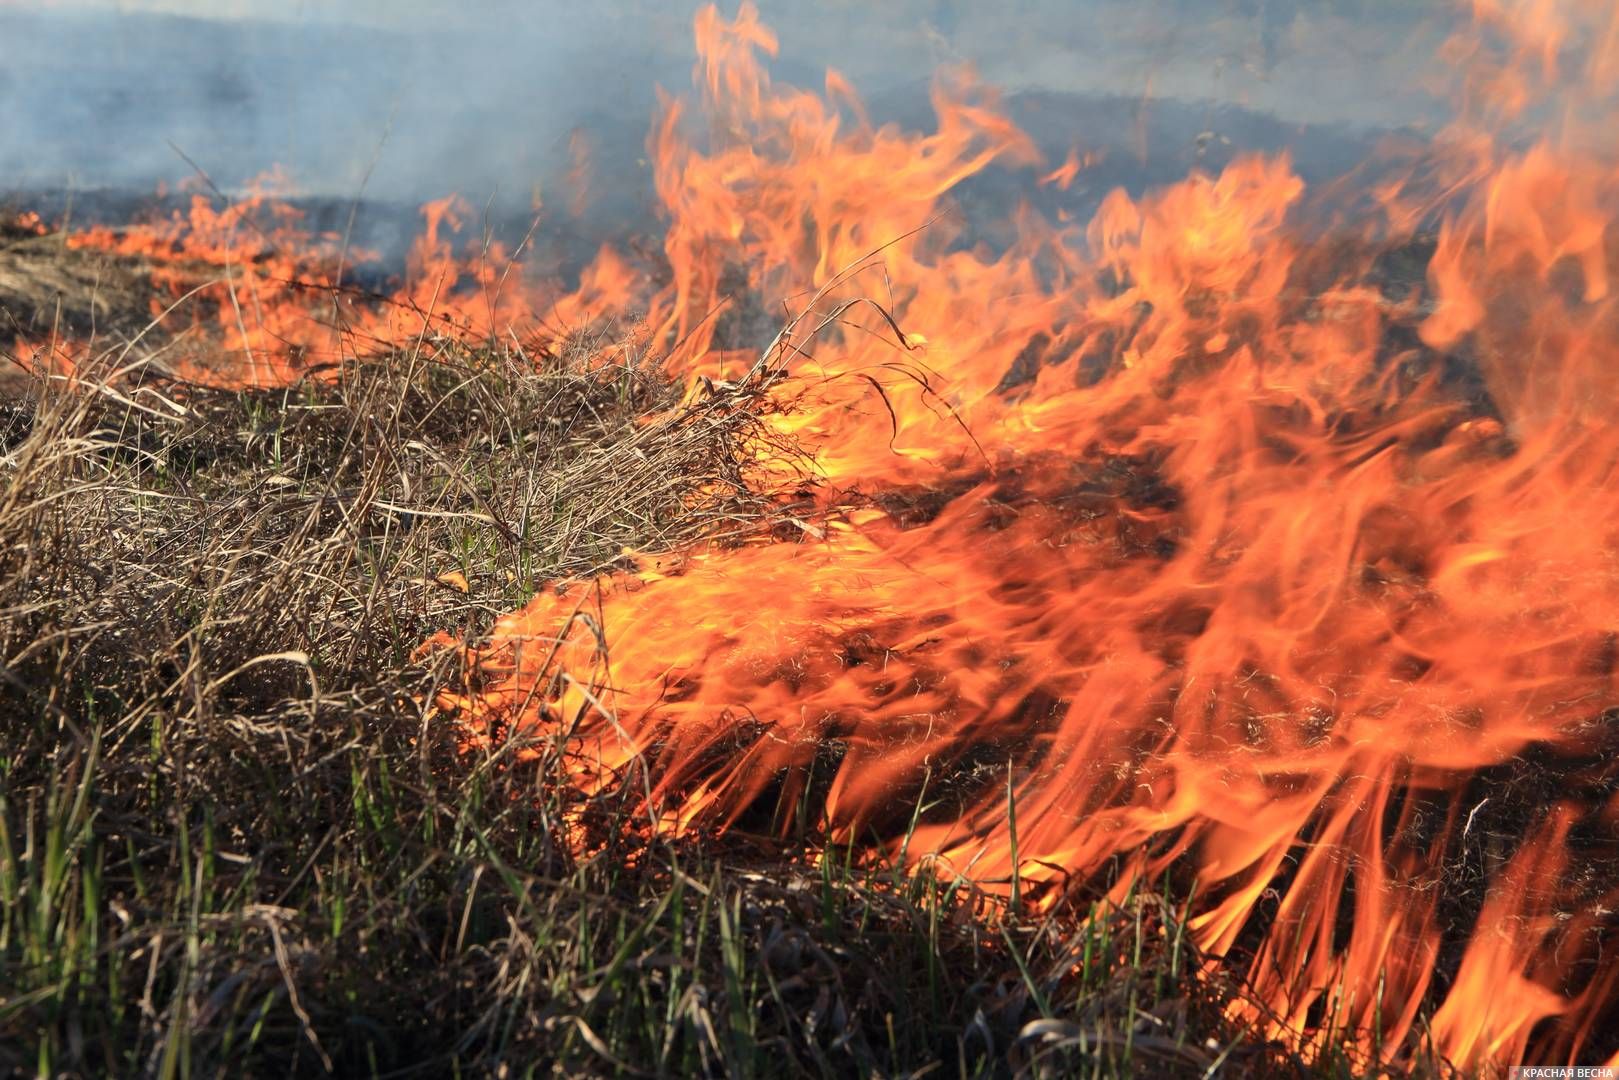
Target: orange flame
{"points": [[1209, 553], [272, 303]]}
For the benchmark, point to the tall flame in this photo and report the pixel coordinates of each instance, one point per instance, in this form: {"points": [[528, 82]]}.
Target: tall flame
{"points": [[1180, 535]]}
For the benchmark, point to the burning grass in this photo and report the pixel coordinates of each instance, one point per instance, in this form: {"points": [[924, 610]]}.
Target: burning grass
{"points": [[1193, 552], [234, 840]]}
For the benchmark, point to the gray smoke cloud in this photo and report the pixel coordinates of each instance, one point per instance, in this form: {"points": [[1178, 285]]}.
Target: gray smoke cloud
{"points": [[482, 98]]}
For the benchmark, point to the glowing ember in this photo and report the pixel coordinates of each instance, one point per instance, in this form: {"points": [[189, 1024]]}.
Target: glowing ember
{"points": [[1181, 533]]}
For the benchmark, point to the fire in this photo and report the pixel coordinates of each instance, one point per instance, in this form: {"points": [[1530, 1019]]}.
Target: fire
{"points": [[1151, 534], [1178, 542], [270, 303]]}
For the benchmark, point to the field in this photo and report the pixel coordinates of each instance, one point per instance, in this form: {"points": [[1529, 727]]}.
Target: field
{"points": [[914, 595]]}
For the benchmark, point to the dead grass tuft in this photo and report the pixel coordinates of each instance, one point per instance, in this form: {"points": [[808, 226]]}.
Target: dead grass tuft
{"points": [[48, 287]]}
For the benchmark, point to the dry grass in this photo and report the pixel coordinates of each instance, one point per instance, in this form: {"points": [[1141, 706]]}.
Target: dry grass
{"points": [[48, 287]]}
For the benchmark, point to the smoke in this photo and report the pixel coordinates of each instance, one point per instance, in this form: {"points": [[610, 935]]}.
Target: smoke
{"points": [[410, 99]]}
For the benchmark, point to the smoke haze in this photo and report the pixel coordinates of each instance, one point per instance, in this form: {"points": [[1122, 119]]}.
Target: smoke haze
{"points": [[411, 100]]}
